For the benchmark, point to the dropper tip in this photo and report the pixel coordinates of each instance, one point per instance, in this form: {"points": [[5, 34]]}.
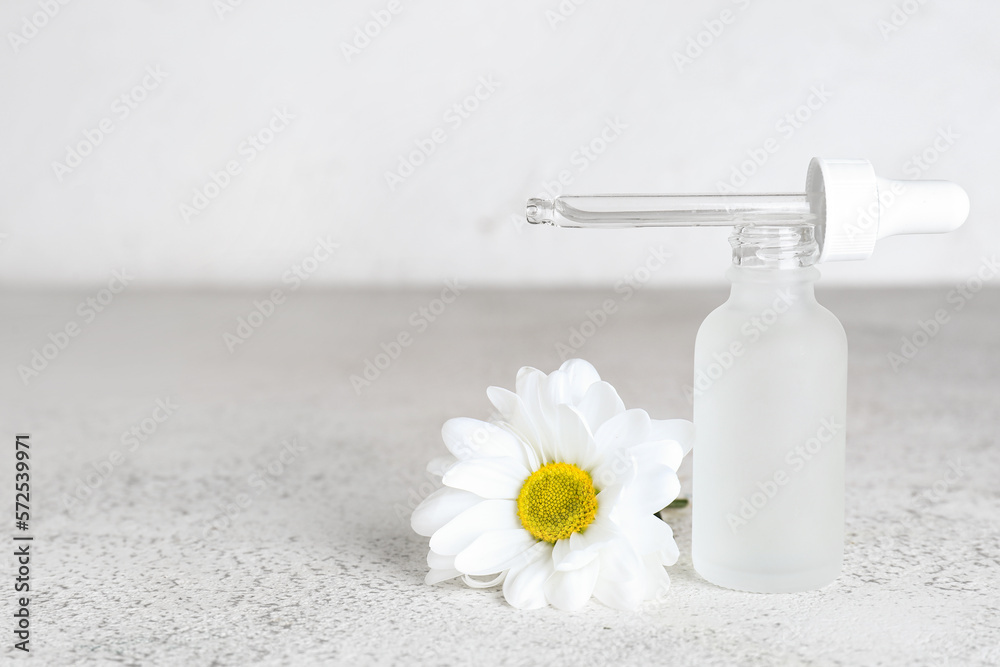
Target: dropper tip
{"points": [[540, 211]]}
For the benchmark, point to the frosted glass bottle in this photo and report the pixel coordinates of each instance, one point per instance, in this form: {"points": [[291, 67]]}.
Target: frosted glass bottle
{"points": [[769, 412]]}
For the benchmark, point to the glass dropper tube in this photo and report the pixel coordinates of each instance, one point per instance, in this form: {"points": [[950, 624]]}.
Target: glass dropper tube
{"points": [[714, 210]]}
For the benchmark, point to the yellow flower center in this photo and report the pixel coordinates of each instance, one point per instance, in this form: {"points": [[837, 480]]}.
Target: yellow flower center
{"points": [[556, 501]]}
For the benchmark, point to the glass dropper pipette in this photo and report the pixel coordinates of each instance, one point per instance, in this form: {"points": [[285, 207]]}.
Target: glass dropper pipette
{"points": [[700, 210], [848, 205]]}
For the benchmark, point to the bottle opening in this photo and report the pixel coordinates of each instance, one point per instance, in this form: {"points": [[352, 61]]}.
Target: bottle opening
{"points": [[785, 246]]}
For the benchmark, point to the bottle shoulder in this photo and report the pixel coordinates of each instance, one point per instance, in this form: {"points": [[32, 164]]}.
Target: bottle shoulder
{"points": [[831, 318], [804, 319]]}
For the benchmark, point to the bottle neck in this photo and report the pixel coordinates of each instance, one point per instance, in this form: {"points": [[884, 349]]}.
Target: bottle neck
{"points": [[756, 288], [772, 246]]}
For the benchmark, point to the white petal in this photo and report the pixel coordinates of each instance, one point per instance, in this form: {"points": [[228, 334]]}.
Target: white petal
{"points": [[623, 581], [541, 413], [495, 551], [669, 555], [583, 547], [471, 438], [573, 442], [599, 404], [472, 582], [629, 463], [494, 477], [657, 581], [437, 576], [463, 530], [596, 535], [653, 488], [566, 558], [662, 452], [679, 430], [608, 500], [566, 386], [575, 377], [623, 430], [613, 468], [620, 562], [571, 590], [626, 596], [439, 465], [527, 386], [439, 508], [527, 381], [514, 413], [650, 534], [437, 561], [524, 587]]}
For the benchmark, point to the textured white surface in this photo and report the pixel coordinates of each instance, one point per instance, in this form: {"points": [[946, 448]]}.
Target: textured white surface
{"points": [[888, 95], [321, 566]]}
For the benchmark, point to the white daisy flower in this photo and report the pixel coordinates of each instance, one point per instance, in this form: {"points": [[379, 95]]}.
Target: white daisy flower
{"points": [[557, 499]]}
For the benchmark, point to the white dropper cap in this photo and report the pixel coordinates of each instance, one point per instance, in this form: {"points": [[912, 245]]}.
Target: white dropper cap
{"points": [[855, 208]]}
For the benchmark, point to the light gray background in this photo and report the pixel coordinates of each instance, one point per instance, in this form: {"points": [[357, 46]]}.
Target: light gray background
{"points": [[891, 91]]}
